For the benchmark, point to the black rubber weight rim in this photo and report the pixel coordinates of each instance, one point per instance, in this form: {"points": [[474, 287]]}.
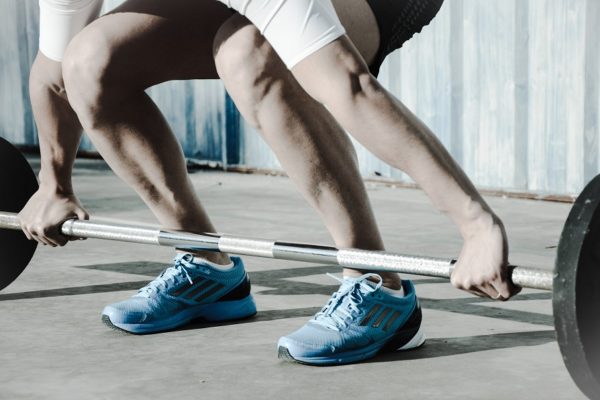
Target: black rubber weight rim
{"points": [[576, 296], [18, 184]]}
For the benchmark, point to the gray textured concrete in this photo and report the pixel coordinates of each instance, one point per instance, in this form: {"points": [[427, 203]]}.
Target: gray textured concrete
{"points": [[53, 345]]}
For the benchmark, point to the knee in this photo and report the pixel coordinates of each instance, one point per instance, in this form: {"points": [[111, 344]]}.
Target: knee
{"points": [[352, 84], [85, 69], [45, 78], [348, 78], [248, 66], [363, 85]]}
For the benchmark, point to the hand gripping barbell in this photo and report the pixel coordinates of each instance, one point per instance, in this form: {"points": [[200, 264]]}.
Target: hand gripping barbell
{"points": [[575, 280]]}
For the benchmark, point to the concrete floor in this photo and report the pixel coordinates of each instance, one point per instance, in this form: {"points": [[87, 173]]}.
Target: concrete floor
{"points": [[53, 345]]}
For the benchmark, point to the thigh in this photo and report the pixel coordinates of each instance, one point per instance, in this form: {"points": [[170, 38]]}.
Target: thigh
{"points": [[294, 28], [361, 26], [153, 41]]}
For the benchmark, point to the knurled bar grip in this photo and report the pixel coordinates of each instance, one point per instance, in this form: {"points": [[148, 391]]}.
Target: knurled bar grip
{"points": [[535, 278]]}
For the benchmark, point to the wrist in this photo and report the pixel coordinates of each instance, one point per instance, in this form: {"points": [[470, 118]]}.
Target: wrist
{"points": [[478, 220], [55, 184]]}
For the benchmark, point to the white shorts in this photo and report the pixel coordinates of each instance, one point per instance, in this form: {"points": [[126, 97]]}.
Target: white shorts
{"points": [[295, 28], [61, 20]]}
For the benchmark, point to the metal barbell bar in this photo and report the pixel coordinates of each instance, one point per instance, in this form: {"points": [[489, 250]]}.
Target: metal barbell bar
{"points": [[534, 278]]}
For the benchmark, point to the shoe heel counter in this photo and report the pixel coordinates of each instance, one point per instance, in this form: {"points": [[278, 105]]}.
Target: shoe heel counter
{"points": [[414, 322], [406, 332], [240, 292]]}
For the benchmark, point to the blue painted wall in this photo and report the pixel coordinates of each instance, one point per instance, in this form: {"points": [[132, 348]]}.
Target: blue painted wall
{"points": [[511, 87]]}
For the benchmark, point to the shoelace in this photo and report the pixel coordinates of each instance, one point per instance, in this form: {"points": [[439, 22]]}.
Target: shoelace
{"points": [[343, 306], [180, 267]]}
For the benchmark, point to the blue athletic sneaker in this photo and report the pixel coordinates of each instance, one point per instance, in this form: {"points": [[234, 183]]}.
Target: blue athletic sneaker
{"points": [[189, 289], [358, 321]]}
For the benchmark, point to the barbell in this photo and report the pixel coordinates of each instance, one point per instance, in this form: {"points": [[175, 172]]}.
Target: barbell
{"points": [[575, 281]]}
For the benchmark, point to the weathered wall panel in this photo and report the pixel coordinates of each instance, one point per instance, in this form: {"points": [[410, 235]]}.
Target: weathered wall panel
{"points": [[592, 91], [511, 87], [556, 86], [11, 97]]}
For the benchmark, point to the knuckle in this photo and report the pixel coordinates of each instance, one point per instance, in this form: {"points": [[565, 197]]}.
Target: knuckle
{"points": [[494, 276], [455, 281], [464, 284], [467, 284], [477, 282]]}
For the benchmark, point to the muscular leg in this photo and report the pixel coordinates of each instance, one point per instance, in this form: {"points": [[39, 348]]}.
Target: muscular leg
{"points": [[329, 179], [363, 106], [387, 128], [271, 99], [106, 69]]}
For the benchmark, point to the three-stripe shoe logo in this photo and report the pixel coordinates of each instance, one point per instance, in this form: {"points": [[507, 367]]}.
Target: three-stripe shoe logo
{"points": [[201, 290], [380, 314]]}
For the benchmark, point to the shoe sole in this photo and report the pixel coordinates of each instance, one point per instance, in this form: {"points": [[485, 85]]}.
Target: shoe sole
{"points": [[214, 312], [417, 340]]}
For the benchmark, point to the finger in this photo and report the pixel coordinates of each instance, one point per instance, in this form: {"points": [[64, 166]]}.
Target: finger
{"points": [[52, 242], [504, 284], [467, 287], [490, 291], [476, 293], [25, 229], [474, 290], [41, 238], [27, 233], [82, 214], [53, 236], [504, 289], [49, 241]]}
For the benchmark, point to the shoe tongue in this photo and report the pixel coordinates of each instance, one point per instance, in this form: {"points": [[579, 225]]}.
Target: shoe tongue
{"points": [[362, 281], [370, 283], [186, 257]]}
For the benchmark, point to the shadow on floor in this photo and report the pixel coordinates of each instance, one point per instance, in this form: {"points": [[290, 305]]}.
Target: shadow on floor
{"points": [[442, 347], [279, 284]]}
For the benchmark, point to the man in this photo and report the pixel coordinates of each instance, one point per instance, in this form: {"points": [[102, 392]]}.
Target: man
{"points": [[106, 69]]}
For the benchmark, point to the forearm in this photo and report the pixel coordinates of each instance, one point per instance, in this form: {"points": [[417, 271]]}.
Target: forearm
{"points": [[395, 135], [58, 126], [406, 143]]}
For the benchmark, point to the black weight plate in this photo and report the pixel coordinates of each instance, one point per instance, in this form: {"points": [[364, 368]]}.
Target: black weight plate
{"points": [[576, 291], [17, 184]]}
